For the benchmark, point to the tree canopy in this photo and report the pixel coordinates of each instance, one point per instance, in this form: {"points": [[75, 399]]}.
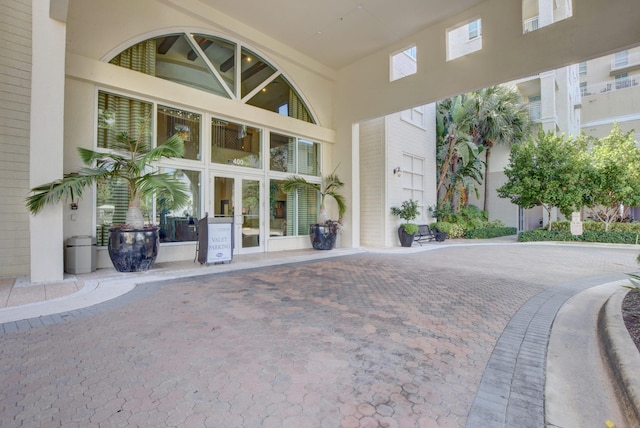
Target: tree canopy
{"points": [[615, 176], [551, 172]]}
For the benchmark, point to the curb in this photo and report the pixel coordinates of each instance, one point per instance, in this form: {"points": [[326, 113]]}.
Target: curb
{"points": [[621, 354]]}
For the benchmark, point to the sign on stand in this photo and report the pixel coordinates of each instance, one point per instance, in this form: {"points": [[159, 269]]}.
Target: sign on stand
{"points": [[576, 224], [215, 240]]}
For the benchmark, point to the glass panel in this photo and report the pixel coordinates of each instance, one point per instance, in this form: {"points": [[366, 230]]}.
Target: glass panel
{"points": [[185, 123], [307, 210], [250, 213], [282, 153], [171, 57], [254, 71], [308, 157], [178, 223], [279, 205], [112, 203], [235, 144], [117, 114], [223, 197], [222, 54], [278, 96]]}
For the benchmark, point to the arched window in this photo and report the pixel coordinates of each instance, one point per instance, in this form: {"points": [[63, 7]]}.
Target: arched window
{"points": [[218, 66]]}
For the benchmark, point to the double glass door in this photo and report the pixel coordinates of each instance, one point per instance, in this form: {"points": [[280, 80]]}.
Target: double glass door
{"points": [[239, 199]]}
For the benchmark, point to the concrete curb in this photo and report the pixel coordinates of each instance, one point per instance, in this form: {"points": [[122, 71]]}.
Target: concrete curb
{"points": [[622, 355]]}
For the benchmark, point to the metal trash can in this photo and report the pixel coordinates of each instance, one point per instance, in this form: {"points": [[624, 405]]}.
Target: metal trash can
{"points": [[80, 254]]}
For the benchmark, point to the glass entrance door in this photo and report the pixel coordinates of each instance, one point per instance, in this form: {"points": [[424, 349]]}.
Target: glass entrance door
{"points": [[239, 199]]}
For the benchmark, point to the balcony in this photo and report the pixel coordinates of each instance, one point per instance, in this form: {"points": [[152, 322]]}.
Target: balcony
{"points": [[611, 85], [530, 24], [535, 111]]}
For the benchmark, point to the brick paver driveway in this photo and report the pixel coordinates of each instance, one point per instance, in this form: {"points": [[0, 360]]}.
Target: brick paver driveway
{"points": [[364, 340]]}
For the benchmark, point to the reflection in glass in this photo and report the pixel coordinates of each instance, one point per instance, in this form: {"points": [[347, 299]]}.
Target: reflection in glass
{"points": [[186, 124], [223, 197], [250, 213], [179, 223], [235, 144], [282, 153]]}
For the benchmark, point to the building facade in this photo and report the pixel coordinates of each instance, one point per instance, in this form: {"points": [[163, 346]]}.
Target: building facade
{"points": [[74, 72]]}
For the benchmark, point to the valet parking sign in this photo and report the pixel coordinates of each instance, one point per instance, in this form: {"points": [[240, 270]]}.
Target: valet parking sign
{"points": [[219, 244]]}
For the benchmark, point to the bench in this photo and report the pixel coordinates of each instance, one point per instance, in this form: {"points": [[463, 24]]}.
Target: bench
{"points": [[425, 234]]}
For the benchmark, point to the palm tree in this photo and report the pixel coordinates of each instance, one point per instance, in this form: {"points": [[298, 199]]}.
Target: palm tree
{"points": [[329, 187], [457, 155], [128, 160], [498, 117]]}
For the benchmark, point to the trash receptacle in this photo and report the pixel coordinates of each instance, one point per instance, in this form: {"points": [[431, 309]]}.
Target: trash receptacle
{"points": [[80, 254]]}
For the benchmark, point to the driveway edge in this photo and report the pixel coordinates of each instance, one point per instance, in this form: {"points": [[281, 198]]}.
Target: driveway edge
{"points": [[621, 353]]}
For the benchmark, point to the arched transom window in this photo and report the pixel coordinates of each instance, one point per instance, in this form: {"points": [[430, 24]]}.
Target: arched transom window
{"points": [[217, 66]]}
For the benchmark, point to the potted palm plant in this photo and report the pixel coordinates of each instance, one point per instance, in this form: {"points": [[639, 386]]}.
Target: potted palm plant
{"points": [[407, 211], [323, 233], [133, 246]]}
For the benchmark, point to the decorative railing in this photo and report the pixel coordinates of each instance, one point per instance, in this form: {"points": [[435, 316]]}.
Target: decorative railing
{"points": [[611, 85]]}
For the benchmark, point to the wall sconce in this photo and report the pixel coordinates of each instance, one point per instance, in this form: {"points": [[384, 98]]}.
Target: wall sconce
{"points": [[397, 171]]}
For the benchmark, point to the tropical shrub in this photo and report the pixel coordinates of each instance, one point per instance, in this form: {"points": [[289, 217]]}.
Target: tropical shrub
{"points": [[452, 230], [537, 235], [490, 232]]}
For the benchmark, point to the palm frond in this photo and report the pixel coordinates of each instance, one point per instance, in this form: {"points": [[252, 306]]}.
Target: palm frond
{"points": [[69, 188], [294, 183], [174, 191]]}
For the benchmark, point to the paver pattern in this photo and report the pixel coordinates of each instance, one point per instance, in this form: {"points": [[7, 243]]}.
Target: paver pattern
{"points": [[370, 340]]}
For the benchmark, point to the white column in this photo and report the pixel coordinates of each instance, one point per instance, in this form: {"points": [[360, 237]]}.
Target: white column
{"points": [[548, 109], [46, 139]]}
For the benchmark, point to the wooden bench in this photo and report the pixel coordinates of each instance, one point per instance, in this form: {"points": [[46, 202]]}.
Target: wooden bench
{"points": [[425, 234]]}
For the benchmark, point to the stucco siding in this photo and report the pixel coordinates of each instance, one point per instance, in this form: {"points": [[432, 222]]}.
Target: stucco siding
{"points": [[15, 88]]}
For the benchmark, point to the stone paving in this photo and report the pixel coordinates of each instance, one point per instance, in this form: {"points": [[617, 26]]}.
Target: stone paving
{"points": [[369, 340]]}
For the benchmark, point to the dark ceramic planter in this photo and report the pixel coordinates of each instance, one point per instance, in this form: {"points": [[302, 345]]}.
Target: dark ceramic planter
{"points": [[133, 250], [406, 240], [323, 237]]}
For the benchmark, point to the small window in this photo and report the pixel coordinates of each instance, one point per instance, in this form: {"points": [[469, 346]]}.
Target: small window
{"points": [[583, 68], [621, 59], [475, 29], [464, 39], [404, 63], [583, 89]]}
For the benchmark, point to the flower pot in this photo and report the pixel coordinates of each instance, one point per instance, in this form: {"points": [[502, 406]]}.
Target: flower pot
{"points": [[406, 240], [133, 250], [323, 237]]}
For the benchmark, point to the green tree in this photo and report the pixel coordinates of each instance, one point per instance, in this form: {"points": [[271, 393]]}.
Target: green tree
{"points": [[498, 117], [615, 184], [551, 172], [458, 164]]}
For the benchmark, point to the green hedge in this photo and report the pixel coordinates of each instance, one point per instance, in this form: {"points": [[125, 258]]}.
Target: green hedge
{"points": [[537, 235], [597, 226], [490, 232]]}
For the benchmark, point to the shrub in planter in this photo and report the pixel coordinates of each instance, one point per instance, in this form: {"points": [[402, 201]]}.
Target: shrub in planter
{"points": [[407, 211]]}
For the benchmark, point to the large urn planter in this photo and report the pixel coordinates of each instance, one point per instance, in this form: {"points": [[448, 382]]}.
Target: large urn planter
{"points": [[323, 236], [133, 250], [406, 239]]}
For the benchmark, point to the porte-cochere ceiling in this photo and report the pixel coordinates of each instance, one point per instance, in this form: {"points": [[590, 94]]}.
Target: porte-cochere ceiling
{"points": [[218, 66]]}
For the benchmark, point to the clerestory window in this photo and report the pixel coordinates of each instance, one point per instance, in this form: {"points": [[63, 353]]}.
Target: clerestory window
{"points": [[217, 66]]}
